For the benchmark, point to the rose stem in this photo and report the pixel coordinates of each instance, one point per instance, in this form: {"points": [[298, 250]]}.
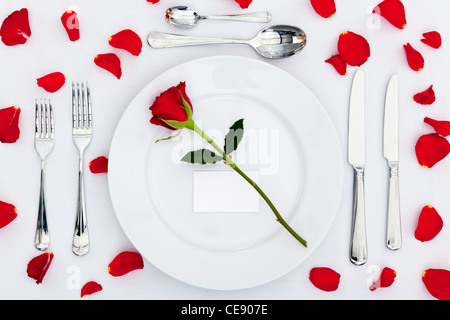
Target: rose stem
{"points": [[233, 165]]}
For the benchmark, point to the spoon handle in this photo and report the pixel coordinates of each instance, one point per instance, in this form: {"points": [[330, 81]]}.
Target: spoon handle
{"points": [[167, 40], [263, 16]]}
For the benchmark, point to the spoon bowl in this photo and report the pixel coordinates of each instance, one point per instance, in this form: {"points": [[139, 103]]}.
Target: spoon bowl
{"points": [[279, 41], [187, 18], [274, 42]]}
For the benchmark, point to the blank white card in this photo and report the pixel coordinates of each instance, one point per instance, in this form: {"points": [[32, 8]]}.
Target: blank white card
{"points": [[224, 191]]}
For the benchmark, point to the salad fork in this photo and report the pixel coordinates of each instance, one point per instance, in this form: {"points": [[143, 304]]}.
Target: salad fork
{"points": [[81, 134], [44, 140]]}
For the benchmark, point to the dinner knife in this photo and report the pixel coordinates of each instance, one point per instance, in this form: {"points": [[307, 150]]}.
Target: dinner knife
{"points": [[356, 157], [390, 151]]}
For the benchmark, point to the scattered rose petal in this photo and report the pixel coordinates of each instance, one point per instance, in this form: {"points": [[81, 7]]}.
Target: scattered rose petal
{"points": [[437, 282], [152, 1], [441, 127], [338, 63], [9, 124], [8, 213], [415, 59], [71, 23], [386, 279], [429, 225], [433, 39], [99, 165], [324, 8], [426, 97], [125, 262], [110, 62], [38, 266], [127, 40], [244, 3], [353, 48], [90, 288], [430, 149], [52, 82], [16, 28], [393, 11], [325, 279]]}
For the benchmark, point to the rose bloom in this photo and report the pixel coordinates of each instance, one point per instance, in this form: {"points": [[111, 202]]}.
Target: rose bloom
{"points": [[169, 106]]}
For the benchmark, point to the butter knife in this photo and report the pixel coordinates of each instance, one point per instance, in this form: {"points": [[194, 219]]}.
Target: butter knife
{"points": [[356, 157], [390, 151]]}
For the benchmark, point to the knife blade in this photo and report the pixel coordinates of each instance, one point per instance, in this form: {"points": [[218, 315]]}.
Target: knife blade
{"points": [[390, 137], [390, 151], [356, 157]]}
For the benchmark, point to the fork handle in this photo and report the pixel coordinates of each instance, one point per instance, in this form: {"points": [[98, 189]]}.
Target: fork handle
{"points": [[80, 245], [42, 237]]}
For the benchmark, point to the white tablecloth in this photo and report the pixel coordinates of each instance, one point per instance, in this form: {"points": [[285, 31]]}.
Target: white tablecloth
{"points": [[49, 50]]}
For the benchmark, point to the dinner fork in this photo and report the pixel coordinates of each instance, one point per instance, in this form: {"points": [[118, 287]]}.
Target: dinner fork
{"points": [[44, 140], [81, 134]]}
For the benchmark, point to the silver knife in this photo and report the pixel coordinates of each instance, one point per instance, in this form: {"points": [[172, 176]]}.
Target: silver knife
{"points": [[390, 146], [356, 157]]}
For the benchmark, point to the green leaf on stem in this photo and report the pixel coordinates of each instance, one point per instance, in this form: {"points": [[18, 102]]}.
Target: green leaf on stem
{"points": [[201, 156], [234, 136]]}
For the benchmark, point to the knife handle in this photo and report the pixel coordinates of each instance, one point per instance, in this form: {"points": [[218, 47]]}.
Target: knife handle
{"points": [[358, 247], [394, 233]]}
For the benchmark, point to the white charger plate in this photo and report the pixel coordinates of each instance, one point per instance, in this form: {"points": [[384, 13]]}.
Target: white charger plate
{"points": [[289, 140]]}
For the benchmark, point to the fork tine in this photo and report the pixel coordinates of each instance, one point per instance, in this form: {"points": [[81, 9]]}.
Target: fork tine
{"points": [[42, 121], [52, 122], [47, 120], [37, 119], [88, 93], [79, 106], [83, 98], [74, 112]]}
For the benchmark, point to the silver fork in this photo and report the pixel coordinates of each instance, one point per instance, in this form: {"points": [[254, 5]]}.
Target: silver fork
{"points": [[81, 134], [44, 140]]}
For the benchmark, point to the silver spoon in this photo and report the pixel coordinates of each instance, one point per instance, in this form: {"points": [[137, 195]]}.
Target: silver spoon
{"points": [[274, 42], [187, 18]]}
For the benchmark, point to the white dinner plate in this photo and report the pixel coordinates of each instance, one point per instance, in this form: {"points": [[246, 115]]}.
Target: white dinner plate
{"points": [[290, 147]]}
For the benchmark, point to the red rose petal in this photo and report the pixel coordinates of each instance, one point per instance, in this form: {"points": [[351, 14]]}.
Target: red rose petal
{"points": [[127, 40], [244, 3], [433, 39], [16, 28], [437, 282], [353, 48], [8, 213], [393, 11], [441, 127], [90, 288], [430, 149], [110, 62], [324, 8], [325, 279], [52, 82], [338, 63], [429, 225], [9, 124], [415, 59], [386, 279], [99, 165], [38, 266], [426, 97], [124, 263], [71, 23]]}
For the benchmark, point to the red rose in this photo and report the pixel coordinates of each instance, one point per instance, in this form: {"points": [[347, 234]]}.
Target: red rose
{"points": [[172, 109]]}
